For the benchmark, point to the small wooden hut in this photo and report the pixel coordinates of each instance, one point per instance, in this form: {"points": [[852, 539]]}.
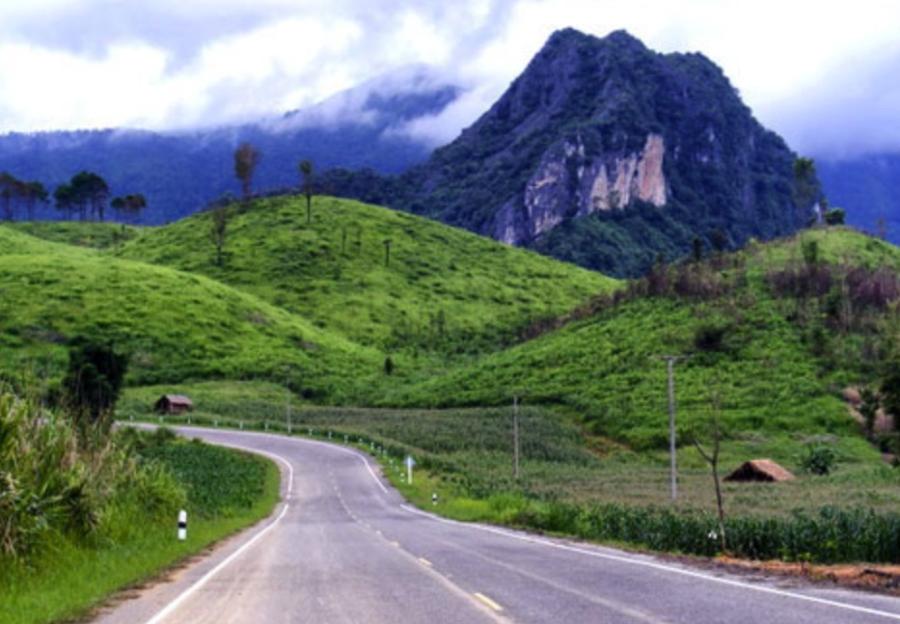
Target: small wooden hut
{"points": [[760, 470], [173, 404]]}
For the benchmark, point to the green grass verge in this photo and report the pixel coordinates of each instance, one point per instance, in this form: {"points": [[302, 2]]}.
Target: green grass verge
{"points": [[70, 578]]}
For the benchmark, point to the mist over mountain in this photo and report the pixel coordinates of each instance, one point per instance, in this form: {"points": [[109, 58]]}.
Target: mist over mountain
{"points": [[181, 172], [606, 154], [602, 152]]}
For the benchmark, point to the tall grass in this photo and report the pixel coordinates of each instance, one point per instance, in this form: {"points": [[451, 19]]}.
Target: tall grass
{"points": [[54, 484]]}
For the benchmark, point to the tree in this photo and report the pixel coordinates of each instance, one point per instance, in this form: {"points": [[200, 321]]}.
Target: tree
{"points": [[806, 189], [34, 193], [246, 157], [93, 382], [219, 231], [387, 252], [129, 207], [835, 216], [10, 189], [697, 249], [712, 458], [89, 190], [306, 171], [64, 199]]}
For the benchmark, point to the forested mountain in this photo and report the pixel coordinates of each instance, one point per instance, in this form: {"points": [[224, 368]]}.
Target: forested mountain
{"points": [[607, 154], [179, 173]]}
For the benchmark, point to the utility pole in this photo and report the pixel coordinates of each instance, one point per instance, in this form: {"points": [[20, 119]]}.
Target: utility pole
{"points": [[516, 437], [673, 464]]}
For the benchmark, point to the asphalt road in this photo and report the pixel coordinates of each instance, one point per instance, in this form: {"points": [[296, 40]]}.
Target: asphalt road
{"points": [[344, 547]]}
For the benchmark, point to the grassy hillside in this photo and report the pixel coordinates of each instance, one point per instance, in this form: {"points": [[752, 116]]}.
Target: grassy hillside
{"points": [[776, 364], [444, 289], [78, 233], [175, 325]]}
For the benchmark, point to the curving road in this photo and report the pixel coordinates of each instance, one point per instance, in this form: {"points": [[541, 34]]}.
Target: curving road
{"points": [[344, 547]]}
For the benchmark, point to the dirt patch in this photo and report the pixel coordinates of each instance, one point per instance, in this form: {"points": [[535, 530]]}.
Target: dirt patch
{"points": [[880, 578]]}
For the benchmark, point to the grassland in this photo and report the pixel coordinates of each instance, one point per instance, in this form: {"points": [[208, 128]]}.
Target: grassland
{"points": [[450, 310], [78, 233], [444, 289], [175, 325], [70, 576], [776, 387]]}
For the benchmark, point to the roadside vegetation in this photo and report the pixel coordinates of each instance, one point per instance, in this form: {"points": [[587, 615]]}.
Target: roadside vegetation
{"points": [[86, 510], [81, 518]]}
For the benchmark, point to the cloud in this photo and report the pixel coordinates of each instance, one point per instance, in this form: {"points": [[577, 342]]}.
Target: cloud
{"points": [[819, 73]]}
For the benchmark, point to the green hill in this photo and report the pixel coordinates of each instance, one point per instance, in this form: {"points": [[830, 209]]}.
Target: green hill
{"points": [[443, 289], [78, 233], [175, 325], [777, 362]]}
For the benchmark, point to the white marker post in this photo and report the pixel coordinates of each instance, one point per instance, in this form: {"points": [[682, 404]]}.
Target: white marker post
{"points": [[182, 525], [410, 462]]}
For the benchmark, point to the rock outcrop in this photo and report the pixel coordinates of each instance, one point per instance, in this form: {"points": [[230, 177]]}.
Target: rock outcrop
{"points": [[603, 183], [607, 154]]}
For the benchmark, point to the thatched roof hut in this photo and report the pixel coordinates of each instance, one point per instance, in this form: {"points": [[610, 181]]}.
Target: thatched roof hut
{"points": [[173, 404], [760, 470]]}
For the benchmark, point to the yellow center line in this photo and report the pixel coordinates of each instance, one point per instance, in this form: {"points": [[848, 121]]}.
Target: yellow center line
{"points": [[424, 562], [493, 605]]}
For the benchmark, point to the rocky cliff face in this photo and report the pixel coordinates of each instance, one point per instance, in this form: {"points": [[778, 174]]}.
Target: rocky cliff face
{"points": [[570, 183], [606, 153]]}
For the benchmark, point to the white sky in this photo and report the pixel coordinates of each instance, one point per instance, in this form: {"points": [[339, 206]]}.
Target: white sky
{"points": [[823, 73]]}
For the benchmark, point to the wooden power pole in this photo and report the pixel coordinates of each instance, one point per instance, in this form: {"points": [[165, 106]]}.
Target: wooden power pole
{"points": [[516, 437]]}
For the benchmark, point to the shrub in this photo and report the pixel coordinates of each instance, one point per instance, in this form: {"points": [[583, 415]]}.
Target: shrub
{"points": [[819, 459], [711, 337], [50, 485]]}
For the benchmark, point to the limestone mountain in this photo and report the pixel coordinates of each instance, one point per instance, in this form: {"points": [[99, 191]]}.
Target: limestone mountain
{"points": [[606, 153]]}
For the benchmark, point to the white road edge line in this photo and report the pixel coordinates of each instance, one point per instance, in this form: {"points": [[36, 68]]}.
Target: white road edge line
{"points": [[664, 568], [490, 603], [161, 615], [533, 540], [331, 445]]}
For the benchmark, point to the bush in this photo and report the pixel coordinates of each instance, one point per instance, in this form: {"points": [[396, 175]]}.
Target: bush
{"points": [[711, 337], [819, 459]]}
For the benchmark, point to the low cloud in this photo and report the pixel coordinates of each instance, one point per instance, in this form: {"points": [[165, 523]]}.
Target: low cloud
{"points": [[823, 77]]}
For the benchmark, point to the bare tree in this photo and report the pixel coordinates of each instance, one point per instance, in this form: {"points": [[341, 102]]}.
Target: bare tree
{"points": [[246, 157], [218, 231], [712, 458], [306, 171]]}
